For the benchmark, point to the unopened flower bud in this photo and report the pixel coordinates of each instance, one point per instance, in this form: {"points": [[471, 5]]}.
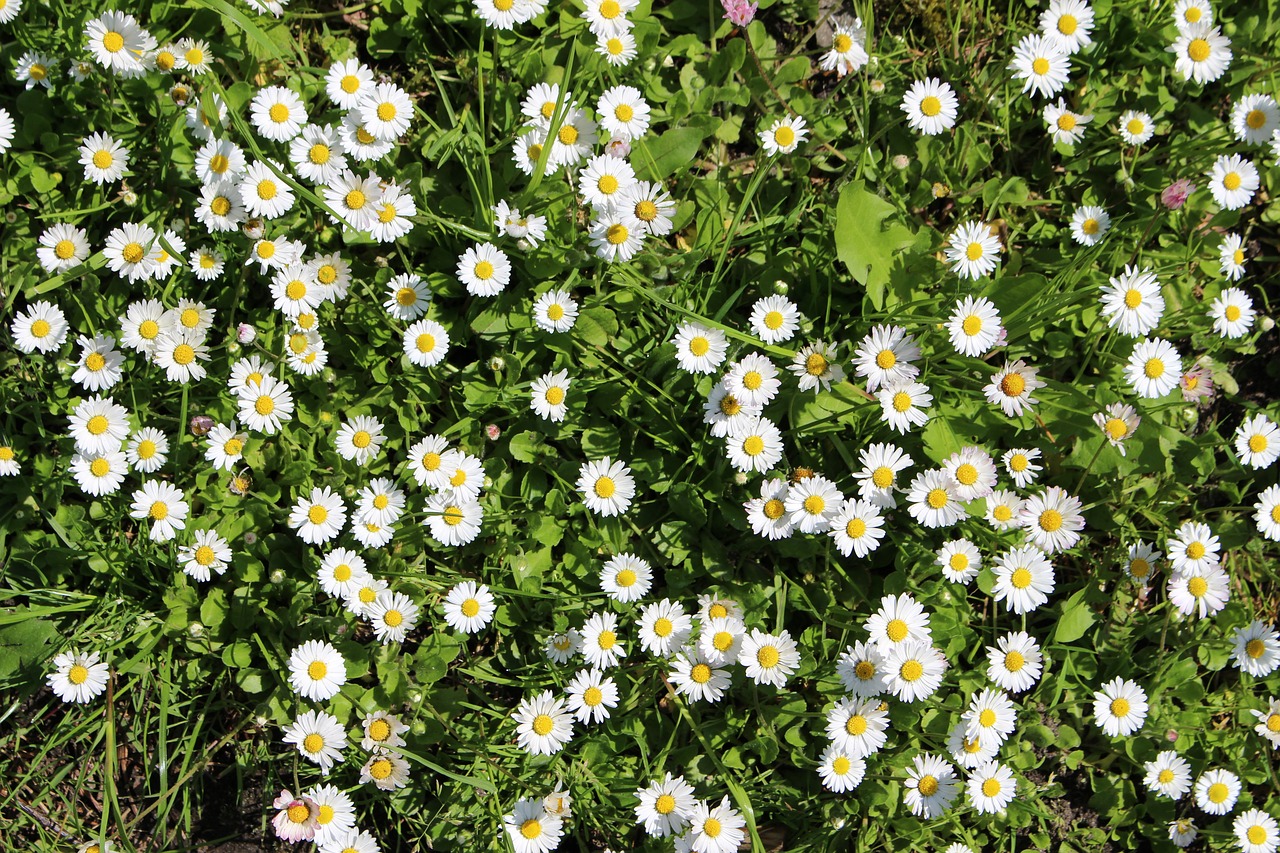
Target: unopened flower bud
{"points": [[493, 431], [496, 363], [195, 630], [200, 425], [277, 576], [246, 334], [901, 161]]}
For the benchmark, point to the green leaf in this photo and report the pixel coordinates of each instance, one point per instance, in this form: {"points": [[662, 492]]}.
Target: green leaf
{"points": [[868, 236], [1075, 620], [674, 149]]}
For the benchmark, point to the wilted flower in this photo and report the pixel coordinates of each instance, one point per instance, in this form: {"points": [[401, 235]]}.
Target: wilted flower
{"points": [[201, 424]]}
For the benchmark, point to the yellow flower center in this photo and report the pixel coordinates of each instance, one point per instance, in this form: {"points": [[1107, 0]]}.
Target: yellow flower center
{"points": [[912, 670], [431, 461], [1231, 180], [298, 813], [113, 41], [767, 657], [991, 787], [355, 200], [856, 725], [103, 159], [220, 205], [987, 718], [1021, 578], [753, 445], [722, 641], [841, 44], [927, 786], [317, 514], [1013, 384], [607, 640], [317, 670], [319, 154], [1218, 793], [663, 627], [1165, 776], [617, 234], [1198, 50], [1238, 256], [930, 106], [958, 562], [279, 113], [1232, 313], [204, 555], [1040, 66], [98, 467], [1195, 550], [568, 134], [626, 578], [342, 573], [1090, 226], [379, 730], [184, 354], [1256, 834], [393, 618], [615, 46], [784, 136], [901, 401], [452, 516], [1273, 723], [967, 474], [133, 252], [361, 439], [896, 630], [555, 311], [95, 362], [856, 528], [264, 405], [773, 509], [815, 365], [974, 251], [865, 670], [1135, 126], [194, 56], [313, 743], [610, 9], [484, 270], [1255, 648], [97, 425], [1116, 429], [1002, 512], [1197, 586], [699, 346], [1014, 661], [814, 504], [554, 395], [1050, 520], [1139, 567], [406, 296], [937, 498], [605, 487], [665, 804], [1255, 119], [886, 359], [386, 111], [267, 190], [425, 342], [159, 510], [1067, 24], [1192, 14], [972, 325], [841, 765], [607, 184], [77, 674], [711, 827], [380, 769]]}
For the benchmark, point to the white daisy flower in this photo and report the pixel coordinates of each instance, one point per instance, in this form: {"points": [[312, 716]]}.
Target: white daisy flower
{"points": [[1068, 23], [840, 771], [767, 514], [607, 486], [861, 669], [469, 607], [1041, 64], [1136, 127], [1203, 593], [1015, 662], [360, 439], [913, 670], [319, 516], [543, 724], [104, 158], [857, 528], [715, 829], [1256, 832], [209, 554], [699, 349], [616, 235], [665, 806], [774, 319], [347, 82], [990, 717], [1089, 224], [1257, 442], [319, 737], [1203, 52], [878, 477], [341, 573], [393, 615], [1194, 549], [1141, 562], [974, 326], [930, 106], [1232, 313], [1012, 386], [62, 247], [1231, 258], [973, 250], [848, 50], [1024, 579], [277, 113], [991, 787], [664, 628], [484, 269], [163, 504], [263, 191], [1233, 180], [1256, 649], [699, 678], [1133, 303], [1217, 791], [1168, 776], [95, 473], [453, 518], [1003, 507], [858, 726], [1052, 520], [425, 343], [903, 405], [814, 365], [385, 111], [317, 671], [78, 676], [626, 578], [885, 357], [768, 658], [933, 501], [783, 136], [930, 787], [1267, 513], [900, 619], [960, 560], [555, 311], [812, 503]]}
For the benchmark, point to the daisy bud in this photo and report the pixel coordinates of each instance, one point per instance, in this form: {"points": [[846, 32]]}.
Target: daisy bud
{"points": [[941, 190], [1171, 735], [246, 334], [200, 425], [195, 630], [740, 478], [1266, 324], [253, 229], [381, 263], [496, 363], [277, 576], [180, 95], [1175, 195], [129, 197], [781, 287], [901, 161], [493, 431], [10, 217], [251, 538], [739, 12], [618, 147], [877, 87]]}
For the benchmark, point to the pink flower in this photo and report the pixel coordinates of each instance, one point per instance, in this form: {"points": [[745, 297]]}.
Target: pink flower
{"points": [[739, 12], [1175, 195], [296, 818], [493, 431], [1197, 385]]}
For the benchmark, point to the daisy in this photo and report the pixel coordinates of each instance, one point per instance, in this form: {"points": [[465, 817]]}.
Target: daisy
{"points": [[1012, 386], [341, 572], [530, 828], [1024, 579], [484, 269], [393, 211], [386, 770], [720, 639], [181, 355], [1041, 64], [698, 678], [840, 771], [1154, 368], [1052, 520], [360, 439], [575, 139], [969, 752], [363, 590], [163, 504], [193, 55], [1067, 23], [359, 144], [903, 405], [1232, 313], [753, 381], [129, 251], [858, 726], [1256, 649], [1233, 180], [974, 326], [104, 159], [1254, 118], [385, 111], [861, 669], [990, 717], [226, 447], [605, 180], [930, 105], [352, 199], [453, 519], [1015, 662], [555, 311], [616, 235], [723, 411], [651, 206], [607, 486], [1133, 303], [267, 406], [78, 676], [617, 50], [1231, 260], [783, 136], [119, 44], [812, 503], [1257, 442], [277, 113], [95, 473], [933, 500], [425, 343], [318, 517], [316, 671], [1203, 52], [99, 425], [913, 670], [878, 477], [295, 819], [900, 619], [1003, 507], [347, 82], [973, 250], [463, 474], [1118, 423], [991, 787], [960, 561], [543, 724], [848, 50], [699, 349], [769, 659], [393, 616], [1021, 465], [767, 514], [600, 645], [665, 806], [1267, 513], [664, 628], [1141, 562], [1269, 722], [380, 502], [974, 472], [100, 364], [774, 319], [754, 445], [220, 208], [1182, 832], [9, 11], [857, 528], [1136, 128], [1168, 776], [1256, 832], [219, 160], [263, 192], [208, 554], [1193, 549], [931, 786], [382, 731], [715, 829], [609, 17], [207, 263], [885, 357], [814, 365], [626, 578], [1203, 594], [1089, 224], [319, 737], [1217, 791], [335, 818], [62, 247]]}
